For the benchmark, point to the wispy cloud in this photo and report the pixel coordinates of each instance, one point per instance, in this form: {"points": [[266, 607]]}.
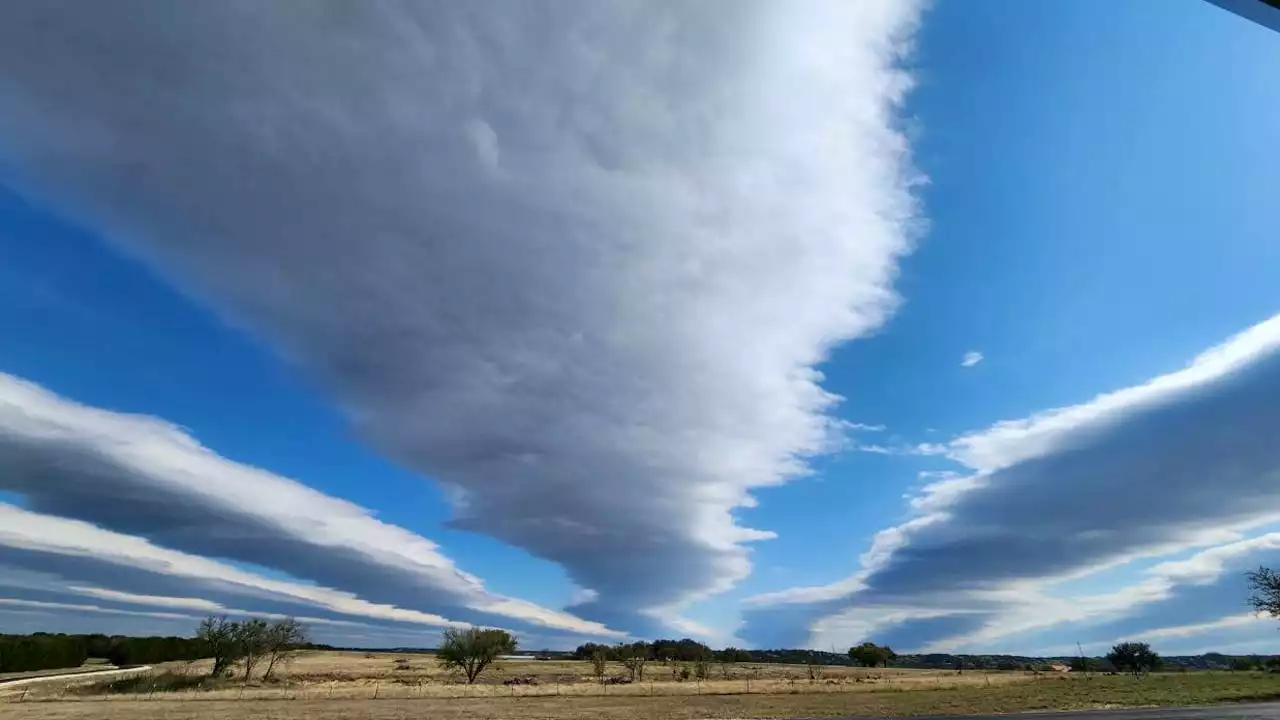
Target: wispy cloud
{"points": [[971, 358], [576, 261], [1185, 460]]}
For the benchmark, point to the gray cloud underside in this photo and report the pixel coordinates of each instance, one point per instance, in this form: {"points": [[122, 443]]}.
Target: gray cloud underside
{"points": [[1198, 591], [1186, 460], [144, 478], [574, 260]]}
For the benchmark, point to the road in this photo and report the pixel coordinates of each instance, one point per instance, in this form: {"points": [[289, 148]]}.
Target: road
{"points": [[1255, 711], [10, 684]]}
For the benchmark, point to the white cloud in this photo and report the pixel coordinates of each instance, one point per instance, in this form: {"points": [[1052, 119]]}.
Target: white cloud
{"points": [[929, 449], [1186, 460], [1007, 443], [576, 261], [53, 537], [971, 358], [149, 478], [181, 603]]}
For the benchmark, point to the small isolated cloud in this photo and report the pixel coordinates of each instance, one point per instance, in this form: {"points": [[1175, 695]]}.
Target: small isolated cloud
{"points": [[971, 358], [576, 261], [903, 449], [1187, 460]]}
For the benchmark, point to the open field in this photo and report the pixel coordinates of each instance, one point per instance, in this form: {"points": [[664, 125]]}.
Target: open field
{"points": [[1058, 693], [341, 675], [319, 686]]}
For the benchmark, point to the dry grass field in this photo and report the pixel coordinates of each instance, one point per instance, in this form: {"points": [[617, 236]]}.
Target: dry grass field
{"points": [[319, 686], [342, 675]]}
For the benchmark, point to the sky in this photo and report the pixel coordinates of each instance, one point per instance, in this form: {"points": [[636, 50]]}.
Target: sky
{"points": [[950, 326]]}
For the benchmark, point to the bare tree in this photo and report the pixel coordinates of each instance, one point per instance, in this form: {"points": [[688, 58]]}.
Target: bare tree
{"points": [[815, 670], [221, 638], [251, 636], [282, 640], [1265, 586], [634, 657], [473, 649], [599, 664]]}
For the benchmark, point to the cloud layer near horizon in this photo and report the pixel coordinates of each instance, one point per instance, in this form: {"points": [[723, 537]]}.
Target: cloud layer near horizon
{"points": [[1186, 461], [156, 506], [575, 261]]}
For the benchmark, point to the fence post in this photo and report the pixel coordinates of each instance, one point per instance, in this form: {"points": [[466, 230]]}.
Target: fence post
{"points": [[376, 685]]}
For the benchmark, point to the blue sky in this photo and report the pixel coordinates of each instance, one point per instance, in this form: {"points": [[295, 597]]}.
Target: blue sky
{"points": [[546, 328]]}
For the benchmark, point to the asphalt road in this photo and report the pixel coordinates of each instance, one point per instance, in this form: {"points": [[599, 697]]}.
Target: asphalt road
{"points": [[1257, 711]]}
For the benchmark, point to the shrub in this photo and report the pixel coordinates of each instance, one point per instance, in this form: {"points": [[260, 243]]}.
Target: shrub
{"points": [[146, 684]]}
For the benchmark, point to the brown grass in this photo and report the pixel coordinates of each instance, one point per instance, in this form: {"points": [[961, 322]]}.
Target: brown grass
{"points": [[339, 675], [320, 686]]}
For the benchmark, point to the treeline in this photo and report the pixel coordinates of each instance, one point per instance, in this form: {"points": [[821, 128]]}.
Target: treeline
{"points": [[20, 653], [685, 650], [51, 651], [868, 654], [692, 651], [48, 651]]}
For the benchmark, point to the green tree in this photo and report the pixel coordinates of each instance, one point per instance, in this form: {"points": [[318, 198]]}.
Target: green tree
{"points": [[1083, 664], [869, 654], [1133, 657], [1245, 663], [473, 649]]}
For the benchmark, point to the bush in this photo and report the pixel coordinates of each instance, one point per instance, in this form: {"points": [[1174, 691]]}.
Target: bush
{"points": [[145, 684], [473, 649], [1136, 658]]}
